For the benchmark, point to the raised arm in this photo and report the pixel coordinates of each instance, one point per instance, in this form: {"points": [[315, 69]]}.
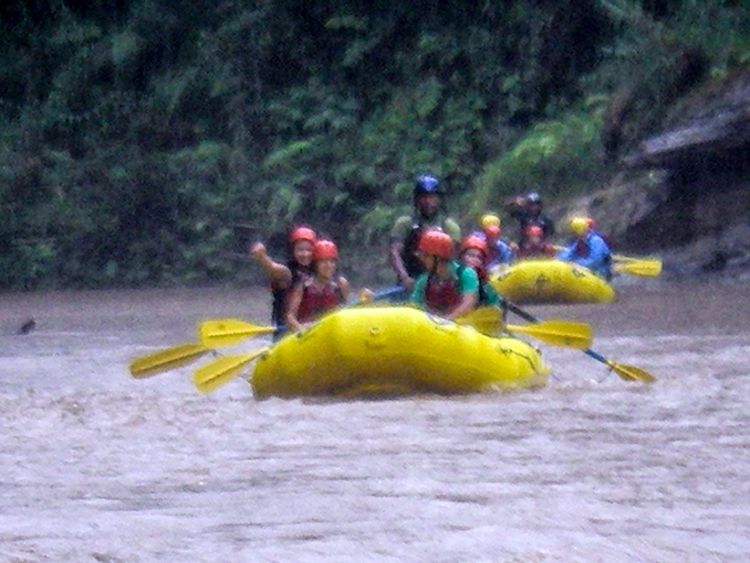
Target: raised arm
{"points": [[278, 272]]}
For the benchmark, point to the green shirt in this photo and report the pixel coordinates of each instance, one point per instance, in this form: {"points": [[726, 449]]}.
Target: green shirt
{"points": [[488, 295], [468, 282]]}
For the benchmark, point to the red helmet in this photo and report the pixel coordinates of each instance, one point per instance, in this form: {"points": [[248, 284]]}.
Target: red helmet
{"points": [[302, 233], [437, 243], [473, 241], [325, 250], [591, 222], [534, 231], [492, 231]]}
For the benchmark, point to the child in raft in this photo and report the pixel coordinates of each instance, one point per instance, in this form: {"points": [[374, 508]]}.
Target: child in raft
{"points": [[474, 254], [324, 291], [284, 276], [446, 288], [499, 253]]}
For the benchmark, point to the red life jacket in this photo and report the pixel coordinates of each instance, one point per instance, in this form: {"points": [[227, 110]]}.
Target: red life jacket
{"points": [[441, 296], [317, 301]]}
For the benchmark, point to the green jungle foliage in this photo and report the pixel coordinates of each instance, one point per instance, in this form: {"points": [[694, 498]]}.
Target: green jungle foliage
{"points": [[138, 136]]}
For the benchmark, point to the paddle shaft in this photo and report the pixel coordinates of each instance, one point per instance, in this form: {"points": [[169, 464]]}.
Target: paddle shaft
{"points": [[625, 372]]}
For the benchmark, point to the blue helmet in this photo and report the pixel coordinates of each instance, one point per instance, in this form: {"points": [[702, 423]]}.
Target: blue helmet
{"points": [[534, 197], [426, 184]]}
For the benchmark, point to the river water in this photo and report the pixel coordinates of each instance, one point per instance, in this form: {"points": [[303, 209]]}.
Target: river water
{"points": [[98, 466]]}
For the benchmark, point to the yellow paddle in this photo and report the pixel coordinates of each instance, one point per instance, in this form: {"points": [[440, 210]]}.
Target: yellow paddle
{"points": [[223, 370], [167, 359], [228, 332], [624, 371], [645, 267], [553, 332]]}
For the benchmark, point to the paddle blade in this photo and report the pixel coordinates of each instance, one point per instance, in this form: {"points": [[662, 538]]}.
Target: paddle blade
{"points": [[221, 371], [558, 333], [487, 320], [624, 371], [165, 360], [228, 332], [631, 373], [647, 267]]}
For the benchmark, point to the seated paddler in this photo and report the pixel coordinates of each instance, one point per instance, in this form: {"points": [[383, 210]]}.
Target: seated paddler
{"points": [[320, 293], [446, 288]]}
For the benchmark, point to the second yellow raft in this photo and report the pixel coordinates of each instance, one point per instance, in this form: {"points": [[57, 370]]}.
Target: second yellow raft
{"points": [[549, 281]]}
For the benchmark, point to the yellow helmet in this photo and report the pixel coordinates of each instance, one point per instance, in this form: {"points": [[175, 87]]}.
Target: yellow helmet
{"points": [[579, 225], [489, 220]]}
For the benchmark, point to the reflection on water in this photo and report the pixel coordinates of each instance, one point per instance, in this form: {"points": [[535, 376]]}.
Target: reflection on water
{"points": [[99, 466]]}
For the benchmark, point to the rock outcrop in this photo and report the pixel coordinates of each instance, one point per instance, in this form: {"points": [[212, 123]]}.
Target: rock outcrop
{"points": [[684, 193]]}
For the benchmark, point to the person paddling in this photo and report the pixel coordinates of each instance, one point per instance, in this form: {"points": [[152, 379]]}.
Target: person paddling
{"points": [[474, 254], [407, 230], [284, 276], [446, 288], [588, 249], [314, 296]]}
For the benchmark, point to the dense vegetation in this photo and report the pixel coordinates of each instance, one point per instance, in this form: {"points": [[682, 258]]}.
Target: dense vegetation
{"points": [[137, 134]]}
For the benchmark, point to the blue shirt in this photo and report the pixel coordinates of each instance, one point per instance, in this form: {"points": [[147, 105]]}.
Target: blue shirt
{"points": [[499, 252], [590, 252]]}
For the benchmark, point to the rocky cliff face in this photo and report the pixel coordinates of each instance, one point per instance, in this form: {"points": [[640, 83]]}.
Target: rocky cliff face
{"points": [[684, 193]]}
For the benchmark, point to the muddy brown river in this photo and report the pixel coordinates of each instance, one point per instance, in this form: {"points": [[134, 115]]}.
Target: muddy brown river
{"points": [[98, 466]]}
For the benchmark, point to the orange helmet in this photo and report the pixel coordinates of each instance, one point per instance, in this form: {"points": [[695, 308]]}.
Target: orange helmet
{"points": [[534, 231], [492, 231], [437, 243], [325, 250], [302, 233], [474, 241]]}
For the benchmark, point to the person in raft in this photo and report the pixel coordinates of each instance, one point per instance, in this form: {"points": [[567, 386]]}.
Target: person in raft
{"points": [[324, 291], [445, 288], [528, 211], [534, 246], [284, 276], [499, 252], [473, 254], [408, 229], [588, 249]]}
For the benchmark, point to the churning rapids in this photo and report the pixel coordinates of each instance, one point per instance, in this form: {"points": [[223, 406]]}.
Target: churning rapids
{"points": [[101, 467]]}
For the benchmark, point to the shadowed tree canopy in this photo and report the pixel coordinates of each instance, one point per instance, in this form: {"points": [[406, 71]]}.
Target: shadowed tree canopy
{"points": [[139, 133]]}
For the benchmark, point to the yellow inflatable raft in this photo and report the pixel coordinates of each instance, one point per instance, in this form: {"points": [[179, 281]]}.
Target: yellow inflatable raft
{"points": [[392, 351], [552, 282]]}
